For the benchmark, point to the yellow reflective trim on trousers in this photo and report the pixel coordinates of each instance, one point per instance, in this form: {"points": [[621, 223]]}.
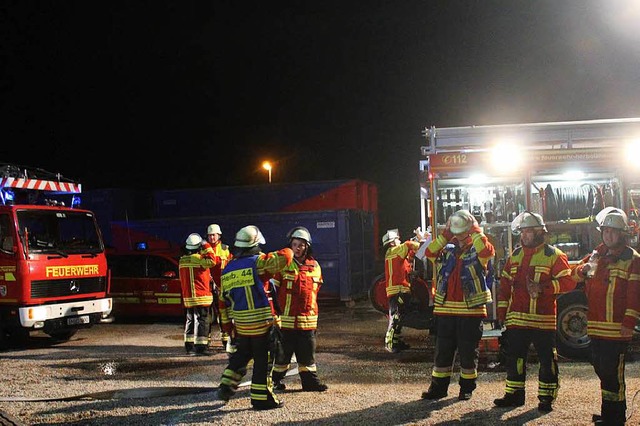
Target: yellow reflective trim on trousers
{"points": [[520, 365]]}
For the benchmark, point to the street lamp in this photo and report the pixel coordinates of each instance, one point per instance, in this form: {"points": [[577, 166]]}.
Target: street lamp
{"points": [[267, 166]]}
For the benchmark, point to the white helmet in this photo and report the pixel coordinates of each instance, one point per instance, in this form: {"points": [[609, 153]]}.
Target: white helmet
{"points": [[461, 221], [300, 232], [214, 228], [194, 241], [249, 236], [615, 220], [391, 235], [527, 220]]}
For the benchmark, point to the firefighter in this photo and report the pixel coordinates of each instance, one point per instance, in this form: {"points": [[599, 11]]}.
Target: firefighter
{"points": [[461, 254], [297, 297], [532, 277], [195, 280], [221, 255], [248, 314], [396, 271], [612, 286]]}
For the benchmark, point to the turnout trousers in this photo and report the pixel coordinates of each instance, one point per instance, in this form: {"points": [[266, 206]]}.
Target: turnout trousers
{"points": [[518, 342], [302, 343], [608, 360], [256, 348], [196, 328], [456, 334]]}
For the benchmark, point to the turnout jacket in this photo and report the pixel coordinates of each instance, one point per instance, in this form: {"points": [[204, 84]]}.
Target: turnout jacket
{"points": [[195, 277], [220, 254], [247, 305], [297, 292], [543, 268], [397, 267], [461, 286], [613, 293]]}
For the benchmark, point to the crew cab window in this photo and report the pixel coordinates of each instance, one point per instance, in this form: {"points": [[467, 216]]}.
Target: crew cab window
{"points": [[157, 266], [127, 266], [6, 236]]}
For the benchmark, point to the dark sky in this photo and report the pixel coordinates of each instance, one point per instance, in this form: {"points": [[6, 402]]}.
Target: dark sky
{"points": [[151, 94]]}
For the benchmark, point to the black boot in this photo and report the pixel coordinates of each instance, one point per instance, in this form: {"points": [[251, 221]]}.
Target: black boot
{"points": [[467, 386], [311, 383], [545, 404], [438, 388], [277, 378], [515, 399], [613, 413]]}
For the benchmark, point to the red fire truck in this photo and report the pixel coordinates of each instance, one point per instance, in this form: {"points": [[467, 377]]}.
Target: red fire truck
{"points": [[566, 171], [53, 269]]}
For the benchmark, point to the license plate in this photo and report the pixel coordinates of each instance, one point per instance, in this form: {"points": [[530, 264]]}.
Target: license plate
{"points": [[84, 319]]}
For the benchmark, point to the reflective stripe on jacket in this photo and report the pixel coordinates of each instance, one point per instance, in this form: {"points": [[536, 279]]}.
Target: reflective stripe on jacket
{"points": [[544, 267], [298, 288], [246, 301], [462, 287], [613, 293], [194, 280], [397, 267]]}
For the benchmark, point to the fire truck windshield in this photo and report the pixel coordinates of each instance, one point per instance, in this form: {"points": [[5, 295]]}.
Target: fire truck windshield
{"points": [[61, 232]]}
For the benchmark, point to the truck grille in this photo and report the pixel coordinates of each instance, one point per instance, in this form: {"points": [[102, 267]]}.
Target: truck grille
{"points": [[67, 287]]}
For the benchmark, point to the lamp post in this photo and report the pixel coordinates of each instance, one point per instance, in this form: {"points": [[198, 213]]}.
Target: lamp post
{"points": [[267, 166]]}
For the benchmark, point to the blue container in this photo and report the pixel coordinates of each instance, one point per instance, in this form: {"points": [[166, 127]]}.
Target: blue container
{"points": [[343, 241]]}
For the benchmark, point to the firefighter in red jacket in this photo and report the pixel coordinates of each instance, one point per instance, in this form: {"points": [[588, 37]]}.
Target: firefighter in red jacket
{"points": [[297, 295], [221, 255], [396, 271], [195, 280], [612, 285], [533, 276], [249, 312], [461, 254]]}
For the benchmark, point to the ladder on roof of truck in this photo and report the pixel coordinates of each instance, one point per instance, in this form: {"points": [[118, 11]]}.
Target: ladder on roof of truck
{"points": [[553, 135], [24, 178]]}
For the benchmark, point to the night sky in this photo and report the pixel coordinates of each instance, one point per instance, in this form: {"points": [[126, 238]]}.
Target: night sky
{"points": [[162, 95]]}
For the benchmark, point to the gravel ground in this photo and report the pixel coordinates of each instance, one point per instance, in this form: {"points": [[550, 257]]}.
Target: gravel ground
{"points": [[366, 384]]}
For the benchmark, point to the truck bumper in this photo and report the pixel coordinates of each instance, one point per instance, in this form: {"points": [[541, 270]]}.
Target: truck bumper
{"points": [[36, 316]]}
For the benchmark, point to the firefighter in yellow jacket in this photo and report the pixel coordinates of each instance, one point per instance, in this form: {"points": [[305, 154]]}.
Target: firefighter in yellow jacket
{"points": [[532, 277], [248, 315], [461, 254], [297, 296], [195, 280], [612, 284], [396, 272]]}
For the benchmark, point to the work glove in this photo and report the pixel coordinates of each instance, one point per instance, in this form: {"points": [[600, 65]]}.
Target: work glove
{"points": [[421, 236], [231, 346]]}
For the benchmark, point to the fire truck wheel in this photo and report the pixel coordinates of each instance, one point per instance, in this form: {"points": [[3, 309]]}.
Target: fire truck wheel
{"points": [[572, 339], [378, 294], [62, 336]]}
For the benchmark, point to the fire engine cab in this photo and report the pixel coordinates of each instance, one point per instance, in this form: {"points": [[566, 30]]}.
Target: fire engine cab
{"points": [[565, 171], [53, 269]]}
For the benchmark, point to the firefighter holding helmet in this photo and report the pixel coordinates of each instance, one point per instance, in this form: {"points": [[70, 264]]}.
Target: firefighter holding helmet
{"points": [[461, 255], [297, 296], [248, 310], [612, 282], [533, 276], [396, 270]]}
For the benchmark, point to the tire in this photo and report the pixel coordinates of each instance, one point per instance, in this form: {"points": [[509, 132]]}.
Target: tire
{"points": [[62, 335], [378, 294], [572, 339]]}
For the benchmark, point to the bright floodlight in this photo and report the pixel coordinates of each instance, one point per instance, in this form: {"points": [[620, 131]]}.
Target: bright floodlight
{"points": [[506, 157]]}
